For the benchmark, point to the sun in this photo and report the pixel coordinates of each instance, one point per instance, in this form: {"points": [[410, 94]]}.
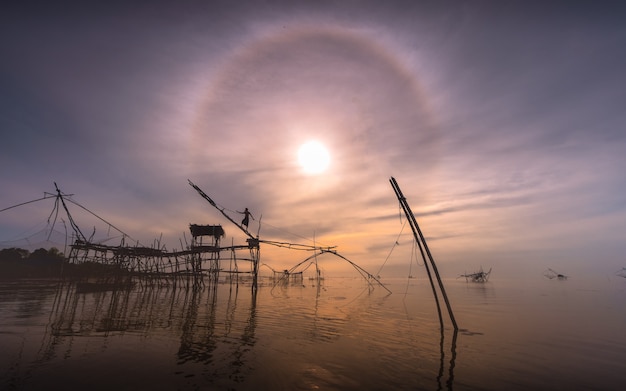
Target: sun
{"points": [[313, 157]]}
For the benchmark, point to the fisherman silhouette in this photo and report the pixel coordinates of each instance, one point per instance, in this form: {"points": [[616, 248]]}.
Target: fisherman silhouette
{"points": [[246, 217]]}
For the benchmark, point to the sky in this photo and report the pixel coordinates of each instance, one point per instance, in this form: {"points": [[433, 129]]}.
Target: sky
{"points": [[502, 121]]}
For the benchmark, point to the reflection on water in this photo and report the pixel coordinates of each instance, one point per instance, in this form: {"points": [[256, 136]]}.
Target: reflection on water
{"points": [[215, 333], [339, 335]]}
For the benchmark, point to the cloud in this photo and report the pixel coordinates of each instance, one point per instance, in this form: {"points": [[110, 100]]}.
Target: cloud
{"points": [[504, 131]]}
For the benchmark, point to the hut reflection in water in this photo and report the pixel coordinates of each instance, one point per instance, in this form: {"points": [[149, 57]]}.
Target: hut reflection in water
{"points": [[205, 322]]}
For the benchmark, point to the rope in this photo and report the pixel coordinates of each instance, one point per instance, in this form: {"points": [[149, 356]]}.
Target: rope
{"points": [[299, 236], [223, 210], [45, 197], [59, 201], [392, 248], [413, 254], [100, 218]]}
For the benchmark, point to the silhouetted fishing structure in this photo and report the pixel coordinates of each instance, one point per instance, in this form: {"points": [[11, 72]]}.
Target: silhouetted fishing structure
{"points": [[479, 276], [254, 242], [199, 259], [426, 255], [552, 274]]}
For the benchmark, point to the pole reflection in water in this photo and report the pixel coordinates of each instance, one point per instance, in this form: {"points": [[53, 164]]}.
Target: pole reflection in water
{"points": [[333, 335], [204, 333], [440, 376], [215, 334], [305, 334]]}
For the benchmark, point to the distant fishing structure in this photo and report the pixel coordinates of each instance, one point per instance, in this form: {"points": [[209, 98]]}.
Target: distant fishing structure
{"points": [[479, 276], [199, 258], [552, 274], [622, 273], [426, 255]]}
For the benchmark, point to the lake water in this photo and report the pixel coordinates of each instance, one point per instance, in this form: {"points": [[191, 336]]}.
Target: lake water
{"points": [[338, 335]]}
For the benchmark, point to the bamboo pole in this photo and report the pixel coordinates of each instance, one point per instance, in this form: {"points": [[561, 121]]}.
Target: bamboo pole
{"points": [[419, 237]]}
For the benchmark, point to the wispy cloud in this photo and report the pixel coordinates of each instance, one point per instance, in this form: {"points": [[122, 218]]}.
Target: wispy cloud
{"points": [[505, 132]]}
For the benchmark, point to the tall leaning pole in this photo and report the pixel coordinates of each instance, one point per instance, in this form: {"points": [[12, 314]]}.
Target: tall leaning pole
{"points": [[421, 241]]}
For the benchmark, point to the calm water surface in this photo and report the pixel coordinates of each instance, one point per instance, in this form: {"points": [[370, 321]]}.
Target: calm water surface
{"points": [[338, 335]]}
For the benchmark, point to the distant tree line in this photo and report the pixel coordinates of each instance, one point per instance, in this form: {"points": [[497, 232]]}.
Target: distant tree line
{"points": [[51, 263], [18, 262]]}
